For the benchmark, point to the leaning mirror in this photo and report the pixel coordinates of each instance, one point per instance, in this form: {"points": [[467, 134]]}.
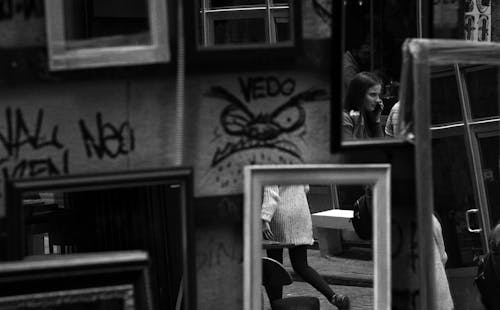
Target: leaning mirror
{"points": [[91, 33], [317, 235], [456, 123], [367, 86], [136, 210]]}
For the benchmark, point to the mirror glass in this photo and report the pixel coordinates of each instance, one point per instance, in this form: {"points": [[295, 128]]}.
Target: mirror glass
{"points": [[244, 23], [112, 218], [110, 23], [311, 246], [374, 32], [466, 176]]}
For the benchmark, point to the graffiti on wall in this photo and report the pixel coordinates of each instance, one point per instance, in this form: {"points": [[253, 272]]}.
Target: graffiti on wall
{"points": [[31, 147], [25, 145], [264, 121], [107, 140], [477, 20]]}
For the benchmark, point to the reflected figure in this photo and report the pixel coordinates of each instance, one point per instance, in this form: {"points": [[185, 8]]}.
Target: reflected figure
{"points": [[355, 61], [363, 108], [286, 218], [391, 125], [443, 294], [487, 280]]}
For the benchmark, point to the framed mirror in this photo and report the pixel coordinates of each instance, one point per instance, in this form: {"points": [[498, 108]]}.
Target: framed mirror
{"points": [[322, 198], [113, 280], [367, 79], [90, 33], [452, 110], [146, 210]]}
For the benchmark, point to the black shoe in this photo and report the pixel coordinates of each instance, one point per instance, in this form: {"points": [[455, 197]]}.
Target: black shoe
{"points": [[341, 301]]}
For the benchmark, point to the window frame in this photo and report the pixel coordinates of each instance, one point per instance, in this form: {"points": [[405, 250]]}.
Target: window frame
{"points": [[248, 57]]}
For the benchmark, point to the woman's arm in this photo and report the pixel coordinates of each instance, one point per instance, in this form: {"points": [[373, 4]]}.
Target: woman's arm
{"points": [[269, 202], [347, 127]]}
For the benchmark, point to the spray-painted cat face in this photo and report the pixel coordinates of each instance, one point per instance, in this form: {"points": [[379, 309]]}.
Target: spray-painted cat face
{"points": [[262, 130]]}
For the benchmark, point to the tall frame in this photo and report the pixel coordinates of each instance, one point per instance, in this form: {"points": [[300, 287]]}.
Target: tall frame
{"points": [[418, 56], [255, 177]]}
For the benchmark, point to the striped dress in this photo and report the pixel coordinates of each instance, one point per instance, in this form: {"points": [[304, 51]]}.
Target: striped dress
{"points": [[287, 210]]}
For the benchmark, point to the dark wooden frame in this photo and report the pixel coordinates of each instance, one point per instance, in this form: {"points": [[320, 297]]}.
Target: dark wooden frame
{"points": [[251, 57], [181, 175], [70, 279]]}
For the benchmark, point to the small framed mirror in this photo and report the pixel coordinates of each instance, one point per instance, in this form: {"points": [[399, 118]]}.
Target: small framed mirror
{"points": [[91, 33], [368, 76], [323, 199]]}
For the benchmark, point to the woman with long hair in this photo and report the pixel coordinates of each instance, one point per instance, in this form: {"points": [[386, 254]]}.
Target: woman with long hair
{"points": [[363, 108]]}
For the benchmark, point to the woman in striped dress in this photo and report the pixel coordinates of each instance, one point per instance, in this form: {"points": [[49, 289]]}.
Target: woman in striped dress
{"points": [[286, 218]]}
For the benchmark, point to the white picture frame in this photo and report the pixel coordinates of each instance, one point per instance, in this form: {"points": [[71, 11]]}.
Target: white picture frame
{"points": [[257, 176], [62, 58]]}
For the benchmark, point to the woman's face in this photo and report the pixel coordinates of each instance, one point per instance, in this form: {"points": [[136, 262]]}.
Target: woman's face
{"points": [[372, 97]]}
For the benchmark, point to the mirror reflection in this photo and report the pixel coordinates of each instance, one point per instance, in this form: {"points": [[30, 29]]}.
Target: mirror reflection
{"points": [[317, 246], [92, 23], [112, 218], [465, 151], [374, 33], [244, 22]]}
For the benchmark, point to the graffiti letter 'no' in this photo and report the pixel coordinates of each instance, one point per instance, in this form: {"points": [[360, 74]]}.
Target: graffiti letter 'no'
{"points": [[109, 141]]}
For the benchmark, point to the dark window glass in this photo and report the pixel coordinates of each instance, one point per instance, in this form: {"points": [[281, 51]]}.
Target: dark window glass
{"points": [[453, 196], [445, 101], [251, 30], [490, 149], [281, 25], [105, 23], [482, 85], [225, 3]]}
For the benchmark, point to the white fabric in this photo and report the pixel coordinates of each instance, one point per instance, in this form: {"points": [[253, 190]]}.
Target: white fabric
{"points": [[443, 294], [287, 210]]}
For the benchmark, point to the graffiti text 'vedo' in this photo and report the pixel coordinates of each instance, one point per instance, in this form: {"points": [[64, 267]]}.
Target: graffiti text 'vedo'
{"points": [[254, 88]]}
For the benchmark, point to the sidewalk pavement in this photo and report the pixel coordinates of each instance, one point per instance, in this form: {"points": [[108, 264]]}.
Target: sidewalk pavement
{"points": [[350, 273], [354, 267]]}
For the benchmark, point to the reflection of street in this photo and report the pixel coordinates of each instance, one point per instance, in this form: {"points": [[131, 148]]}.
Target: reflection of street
{"points": [[361, 297], [350, 274]]}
